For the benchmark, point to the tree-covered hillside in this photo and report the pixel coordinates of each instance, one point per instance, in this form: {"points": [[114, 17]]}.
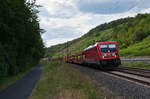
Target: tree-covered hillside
{"points": [[21, 45], [132, 35]]}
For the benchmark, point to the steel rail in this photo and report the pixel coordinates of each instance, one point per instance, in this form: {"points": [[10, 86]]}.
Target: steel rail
{"points": [[135, 69], [131, 78], [146, 75]]}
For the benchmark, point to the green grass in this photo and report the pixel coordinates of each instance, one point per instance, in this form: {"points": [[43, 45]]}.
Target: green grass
{"points": [[6, 81], [145, 65], [62, 81], [139, 49]]}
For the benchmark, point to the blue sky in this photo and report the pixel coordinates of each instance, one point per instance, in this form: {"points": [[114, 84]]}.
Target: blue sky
{"points": [[65, 20]]}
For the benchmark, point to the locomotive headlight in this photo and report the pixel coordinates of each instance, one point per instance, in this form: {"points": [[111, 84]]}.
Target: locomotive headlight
{"points": [[114, 54], [103, 55]]}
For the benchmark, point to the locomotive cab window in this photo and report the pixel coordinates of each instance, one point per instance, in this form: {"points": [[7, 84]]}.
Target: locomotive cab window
{"points": [[108, 47], [112, 47]]}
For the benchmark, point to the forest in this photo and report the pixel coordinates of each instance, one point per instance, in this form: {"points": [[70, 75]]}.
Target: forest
{"points": [[21, 45]]}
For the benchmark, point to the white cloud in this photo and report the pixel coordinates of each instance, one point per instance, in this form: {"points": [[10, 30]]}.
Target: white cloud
{"points": [[145, 10], [57, 41], [74, 21], [58, 8]]}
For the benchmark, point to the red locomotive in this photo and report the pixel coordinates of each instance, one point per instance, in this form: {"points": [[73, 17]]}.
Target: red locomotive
{"points": [[102, 54]]}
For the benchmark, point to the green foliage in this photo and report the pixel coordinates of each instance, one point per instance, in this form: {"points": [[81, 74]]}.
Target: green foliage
{"points": [[21, 44], [139, 49], [132, 32]]}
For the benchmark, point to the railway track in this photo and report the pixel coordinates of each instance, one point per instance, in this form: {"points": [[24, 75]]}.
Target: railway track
{"points": [[135, 59], [135, 71], [137, 75]]}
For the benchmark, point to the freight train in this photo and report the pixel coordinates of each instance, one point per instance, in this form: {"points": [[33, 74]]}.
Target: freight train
{"points": [[102, 54]]}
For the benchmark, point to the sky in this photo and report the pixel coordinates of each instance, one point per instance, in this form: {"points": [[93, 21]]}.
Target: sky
{"points": [[65, 20]]}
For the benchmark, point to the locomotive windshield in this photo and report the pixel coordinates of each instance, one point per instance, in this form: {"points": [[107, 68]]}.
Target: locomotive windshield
{"points": [[108, 47]]}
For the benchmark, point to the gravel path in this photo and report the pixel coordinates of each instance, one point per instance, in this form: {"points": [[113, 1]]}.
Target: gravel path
{"points": [[126, 89], [23, 87]]}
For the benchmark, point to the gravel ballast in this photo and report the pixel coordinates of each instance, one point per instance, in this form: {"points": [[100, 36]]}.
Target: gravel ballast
{"points": [[126, 89]]}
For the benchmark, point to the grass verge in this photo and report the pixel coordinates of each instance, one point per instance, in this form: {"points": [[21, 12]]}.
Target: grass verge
{"points": [[145, 65], [138, 49], [62, 81], [6, 81]]}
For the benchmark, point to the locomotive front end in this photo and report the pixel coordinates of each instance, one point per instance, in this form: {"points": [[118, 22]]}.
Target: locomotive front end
{"points": [[109, 54]]}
